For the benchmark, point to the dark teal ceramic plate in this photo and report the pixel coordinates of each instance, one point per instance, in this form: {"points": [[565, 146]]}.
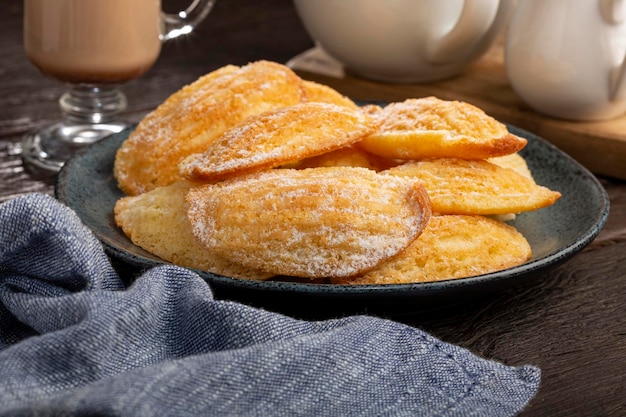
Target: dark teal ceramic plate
{"points": [[556, 233]]}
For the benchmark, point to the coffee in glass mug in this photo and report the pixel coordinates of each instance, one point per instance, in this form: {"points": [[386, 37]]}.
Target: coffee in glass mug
{"points": [[91, 41]]}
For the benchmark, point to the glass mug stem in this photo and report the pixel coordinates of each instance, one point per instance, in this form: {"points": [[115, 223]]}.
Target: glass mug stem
{"points": [[90, 113], [88, 104]]}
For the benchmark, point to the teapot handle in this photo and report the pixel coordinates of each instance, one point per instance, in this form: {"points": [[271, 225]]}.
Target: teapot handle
{"points": [[476, 18], [614, 13], [184, 21]]}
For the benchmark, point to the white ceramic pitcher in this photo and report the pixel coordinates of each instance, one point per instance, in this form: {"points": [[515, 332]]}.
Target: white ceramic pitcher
{"points": [[404, 40], [565, 58]]}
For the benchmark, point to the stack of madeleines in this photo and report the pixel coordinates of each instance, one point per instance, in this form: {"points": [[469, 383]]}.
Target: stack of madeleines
{"points": [[254, 173]]}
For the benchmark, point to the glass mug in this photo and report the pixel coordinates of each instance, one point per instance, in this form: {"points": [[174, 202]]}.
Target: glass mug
{"points": [[93, 46]]}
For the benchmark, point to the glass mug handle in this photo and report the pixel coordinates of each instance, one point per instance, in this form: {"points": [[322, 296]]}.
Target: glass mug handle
{"points": [[182, 23]]}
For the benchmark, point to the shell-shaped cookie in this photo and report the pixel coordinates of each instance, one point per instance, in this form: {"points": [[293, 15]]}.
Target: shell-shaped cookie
{"points": [[349, 156], [157, 222], [279, 137], [458, 186], [434, 128], [513, 161], [452, 247], [192, 118], [317, 222], [325, 94]]}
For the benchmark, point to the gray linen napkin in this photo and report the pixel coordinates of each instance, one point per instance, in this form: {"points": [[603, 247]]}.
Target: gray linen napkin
{"points": [[75, 342]]}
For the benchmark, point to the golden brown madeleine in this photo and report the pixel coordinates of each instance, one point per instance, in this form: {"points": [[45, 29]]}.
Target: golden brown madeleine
{"points": [[373, 110], [278, 137], [157, 222], [348, 156], [325, 94], [192, 118], [514, 161], [451, 247], [311, 223], [458, 186], [434, 128]]}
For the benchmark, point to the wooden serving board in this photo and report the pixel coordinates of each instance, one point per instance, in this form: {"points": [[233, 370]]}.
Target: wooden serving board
{"points": [[599, 146]]}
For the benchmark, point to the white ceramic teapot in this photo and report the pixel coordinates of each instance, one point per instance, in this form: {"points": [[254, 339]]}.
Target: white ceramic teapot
{"points": [[404, 40], [565, 58]]}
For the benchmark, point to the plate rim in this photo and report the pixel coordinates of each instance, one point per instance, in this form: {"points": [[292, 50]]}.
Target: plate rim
{"points": [[407, 289]]}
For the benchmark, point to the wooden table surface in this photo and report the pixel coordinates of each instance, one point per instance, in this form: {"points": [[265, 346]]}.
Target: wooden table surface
{"points": [[571, 322]]}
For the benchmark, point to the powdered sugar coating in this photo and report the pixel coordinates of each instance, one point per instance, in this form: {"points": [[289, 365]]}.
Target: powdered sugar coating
{"points": [[452, 246], [195, 116], [458, 186], [433, 128], [278, 137], [317, 222], [157, 221]]}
